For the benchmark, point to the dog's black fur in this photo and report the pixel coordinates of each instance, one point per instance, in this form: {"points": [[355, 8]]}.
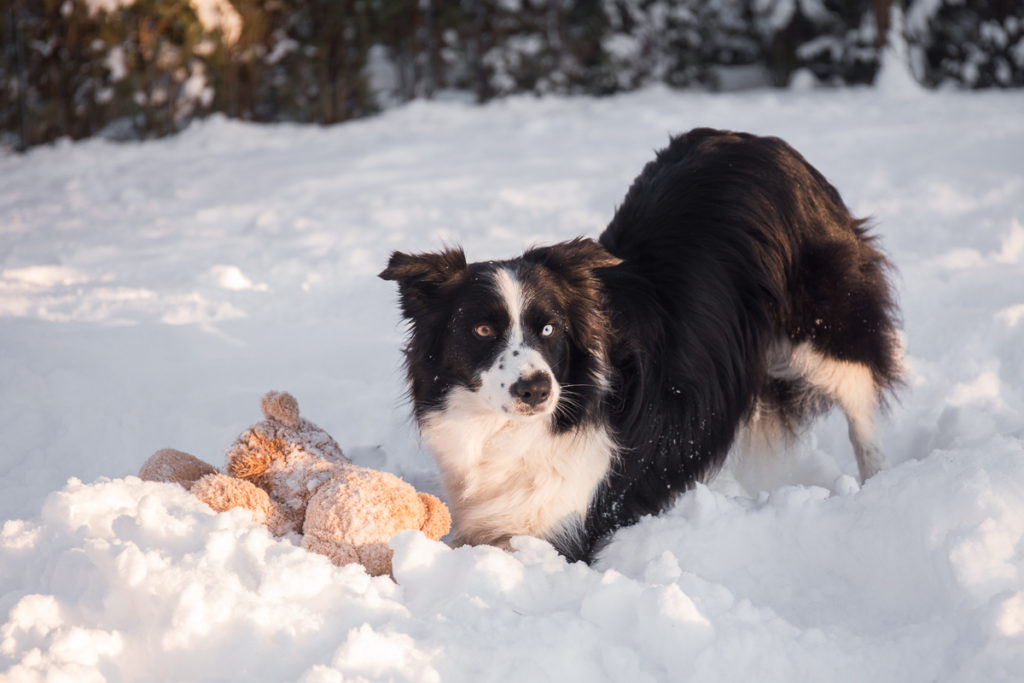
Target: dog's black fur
{"points": [[724, 245]]}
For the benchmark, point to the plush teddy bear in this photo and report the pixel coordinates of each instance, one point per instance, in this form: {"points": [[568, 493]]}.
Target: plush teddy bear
{"points": [[293, 477]]}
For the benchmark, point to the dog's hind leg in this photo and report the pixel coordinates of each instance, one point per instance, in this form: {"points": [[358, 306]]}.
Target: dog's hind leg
{"points": [[849, 384]]}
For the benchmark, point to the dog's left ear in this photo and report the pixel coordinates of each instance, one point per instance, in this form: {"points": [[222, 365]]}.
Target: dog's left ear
{"points": [[421, 277], [574, 260]]}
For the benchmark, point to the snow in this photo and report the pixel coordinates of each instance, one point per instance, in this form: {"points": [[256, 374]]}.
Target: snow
{"points": [[115, 63], [212, 14], [151, 293], [108, 6], [895, 74], [219, 14]]}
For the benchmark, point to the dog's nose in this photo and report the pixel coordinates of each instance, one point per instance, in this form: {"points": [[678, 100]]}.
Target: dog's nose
{"points": [[532, 390]]}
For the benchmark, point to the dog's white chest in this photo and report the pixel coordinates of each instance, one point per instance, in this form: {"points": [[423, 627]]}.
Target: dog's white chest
{"points": [[505, 477]]}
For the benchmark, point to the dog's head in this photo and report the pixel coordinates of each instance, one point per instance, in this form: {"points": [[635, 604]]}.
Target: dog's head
{"points": [[523, 338]]}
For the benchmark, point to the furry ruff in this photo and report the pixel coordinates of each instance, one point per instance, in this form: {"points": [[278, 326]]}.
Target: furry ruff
{"points": [[570, 391]]}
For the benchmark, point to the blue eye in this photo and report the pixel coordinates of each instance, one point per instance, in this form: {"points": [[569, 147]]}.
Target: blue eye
{"points": [[547, 330]]}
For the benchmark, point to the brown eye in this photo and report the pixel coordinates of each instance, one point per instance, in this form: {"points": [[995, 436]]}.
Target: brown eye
{"points": [[484, 331]]}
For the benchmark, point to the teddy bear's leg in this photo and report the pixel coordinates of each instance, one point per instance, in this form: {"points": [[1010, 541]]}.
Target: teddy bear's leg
{"points": [[337, 552], [174, 466], [325, 530], [376, 557], [346, 523], [222, 492]]}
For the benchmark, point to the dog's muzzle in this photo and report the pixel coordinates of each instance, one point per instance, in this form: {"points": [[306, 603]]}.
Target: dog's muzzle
{"points": [[531, 392]]}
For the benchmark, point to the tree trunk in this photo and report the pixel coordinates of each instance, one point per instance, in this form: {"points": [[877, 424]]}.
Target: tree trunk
{"points": [[881, 21]]}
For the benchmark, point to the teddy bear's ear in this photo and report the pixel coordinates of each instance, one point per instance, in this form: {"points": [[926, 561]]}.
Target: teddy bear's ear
{"points": [[421, 277], [438, 521], [281, 406]]}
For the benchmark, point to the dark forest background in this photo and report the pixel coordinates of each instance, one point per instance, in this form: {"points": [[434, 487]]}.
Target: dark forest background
{"points": [[131, 69]]}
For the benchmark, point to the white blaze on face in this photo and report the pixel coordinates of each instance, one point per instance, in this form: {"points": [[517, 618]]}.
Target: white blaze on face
{"points": [[517, 359]]}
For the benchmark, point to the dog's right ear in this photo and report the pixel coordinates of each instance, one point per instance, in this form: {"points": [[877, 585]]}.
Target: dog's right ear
{"points": [[421, 277]]}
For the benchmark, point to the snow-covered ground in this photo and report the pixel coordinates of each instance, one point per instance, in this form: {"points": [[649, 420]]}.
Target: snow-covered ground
{"points": [[151, 293]]}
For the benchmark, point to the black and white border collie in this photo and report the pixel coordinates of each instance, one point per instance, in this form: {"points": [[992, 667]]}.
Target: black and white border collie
{"points": [[568, 392]]}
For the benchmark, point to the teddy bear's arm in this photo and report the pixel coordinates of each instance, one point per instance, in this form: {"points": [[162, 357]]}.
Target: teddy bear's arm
{"points": [[222, 492], [438, 520], [173, 466]]}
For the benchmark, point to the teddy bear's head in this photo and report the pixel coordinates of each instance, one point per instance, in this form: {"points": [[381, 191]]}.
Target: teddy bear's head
{"points": [[286, 455]]}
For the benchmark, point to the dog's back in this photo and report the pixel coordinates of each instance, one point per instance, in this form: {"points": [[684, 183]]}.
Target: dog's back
{"points": [[747, 293]]}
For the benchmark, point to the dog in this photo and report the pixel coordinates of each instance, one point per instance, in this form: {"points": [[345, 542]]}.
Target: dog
{"points": [[572, 390]]}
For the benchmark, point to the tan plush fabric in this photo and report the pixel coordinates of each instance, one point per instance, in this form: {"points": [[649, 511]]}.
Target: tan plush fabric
{"points": [[285, 454], [364, 508], [438, 521], [293, 477], [222, 493], [179, 467]]}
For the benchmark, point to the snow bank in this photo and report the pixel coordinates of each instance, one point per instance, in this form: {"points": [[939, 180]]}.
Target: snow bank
{"points": [[916, 577], [151, 293]]}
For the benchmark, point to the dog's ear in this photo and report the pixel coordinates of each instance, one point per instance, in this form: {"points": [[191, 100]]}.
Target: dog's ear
{"points": [[421, 277], [574, 260]]}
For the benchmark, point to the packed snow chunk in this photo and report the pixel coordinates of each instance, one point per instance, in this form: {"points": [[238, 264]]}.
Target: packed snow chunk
{"points": [[415, 554], [961, 259], [33, 618], [233, 279], [1012, 247], [986, 539], [485, 572], [671, 627], [661, 620], [194, 309], [93, 508], [44, 277], [1010, 620], [612, 602], [663, 569], [535, 552], [85, 646], [983, 390], [43, 646], [1011, 315], [986, 563], [374, 656], [17, 534], [133, 565]]}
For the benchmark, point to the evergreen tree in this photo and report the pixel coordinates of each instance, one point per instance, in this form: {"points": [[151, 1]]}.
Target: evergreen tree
{"points": [[979, 44], [136, 68]]}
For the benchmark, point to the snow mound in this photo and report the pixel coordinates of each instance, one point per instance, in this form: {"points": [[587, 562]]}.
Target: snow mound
{"points": [[922, 569]]}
